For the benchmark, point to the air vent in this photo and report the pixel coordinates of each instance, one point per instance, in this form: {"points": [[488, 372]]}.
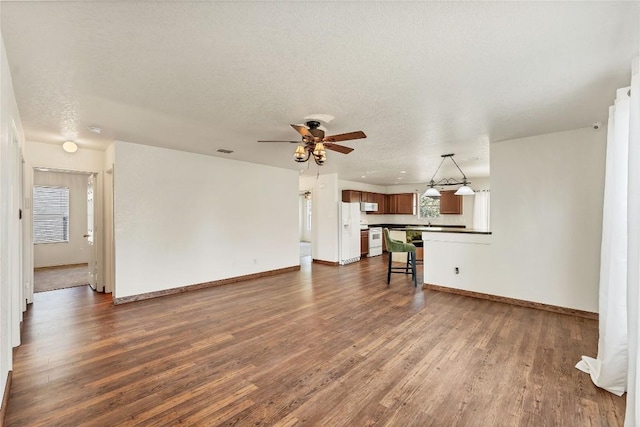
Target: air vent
{"points": [[222, 150]]}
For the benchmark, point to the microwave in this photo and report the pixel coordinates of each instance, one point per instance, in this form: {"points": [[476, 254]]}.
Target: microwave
{"points": [[368, 207]]}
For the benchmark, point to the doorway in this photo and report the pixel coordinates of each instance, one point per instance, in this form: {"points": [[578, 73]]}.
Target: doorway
{"points": [[63, 251], [305, 201]]}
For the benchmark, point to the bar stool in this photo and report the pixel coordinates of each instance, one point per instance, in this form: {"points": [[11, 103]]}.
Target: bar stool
{"points": [[398, 246]]}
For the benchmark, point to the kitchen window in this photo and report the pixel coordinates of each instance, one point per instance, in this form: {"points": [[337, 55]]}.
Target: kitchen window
{"points": [[50, 214], [429, 207]]}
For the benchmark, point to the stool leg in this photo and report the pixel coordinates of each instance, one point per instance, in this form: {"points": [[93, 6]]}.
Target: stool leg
{"points": [[413, 267], [406, 267], [389, 269]]}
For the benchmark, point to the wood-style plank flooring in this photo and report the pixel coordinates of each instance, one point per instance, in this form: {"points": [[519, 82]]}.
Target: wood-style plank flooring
{"points": [[325, 346]]}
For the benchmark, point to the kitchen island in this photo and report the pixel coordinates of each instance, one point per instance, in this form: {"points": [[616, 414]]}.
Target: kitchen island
{"points": [[460, 259], [416, 234]]}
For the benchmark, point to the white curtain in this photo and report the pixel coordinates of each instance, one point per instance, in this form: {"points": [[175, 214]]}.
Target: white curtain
{"points": [[615, 368], [482, 210], [632, 417]]}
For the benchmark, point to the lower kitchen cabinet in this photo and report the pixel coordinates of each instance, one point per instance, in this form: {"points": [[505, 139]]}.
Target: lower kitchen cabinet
{"points": [[364, 242]]}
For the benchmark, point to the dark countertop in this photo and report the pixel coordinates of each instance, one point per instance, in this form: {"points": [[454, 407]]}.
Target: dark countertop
{"points": [[403, 226], [444, 230]]}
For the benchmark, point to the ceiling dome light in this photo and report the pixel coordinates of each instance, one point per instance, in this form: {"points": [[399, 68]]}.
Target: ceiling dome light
{"points": [[70, 147]]}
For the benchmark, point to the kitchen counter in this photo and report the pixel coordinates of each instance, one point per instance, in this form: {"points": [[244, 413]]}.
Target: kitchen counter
{"points": [[444, 230], [412, 226]]}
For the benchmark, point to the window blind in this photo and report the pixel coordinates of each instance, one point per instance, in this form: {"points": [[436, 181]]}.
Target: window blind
{"points": [[50, 214]]}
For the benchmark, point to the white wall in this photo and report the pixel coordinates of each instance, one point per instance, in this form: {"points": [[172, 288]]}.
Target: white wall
{"points": [[52, 156], [184, 218], [546, 222], [109, 255], [324, 218], [12, 296], [76, 250]]}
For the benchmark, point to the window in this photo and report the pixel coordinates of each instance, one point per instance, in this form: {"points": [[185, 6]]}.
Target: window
{"points": [[50, 214], [429, 207]]}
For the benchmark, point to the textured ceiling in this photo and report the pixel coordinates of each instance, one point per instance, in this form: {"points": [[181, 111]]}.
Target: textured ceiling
{"points": [[420, 79]]}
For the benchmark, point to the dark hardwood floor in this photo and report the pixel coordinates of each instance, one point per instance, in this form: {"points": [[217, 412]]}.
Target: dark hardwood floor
{"points": [[329, 346]]}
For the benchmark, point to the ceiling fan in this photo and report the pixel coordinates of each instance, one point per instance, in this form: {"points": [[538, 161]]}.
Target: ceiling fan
{"points": [[314, 143]]}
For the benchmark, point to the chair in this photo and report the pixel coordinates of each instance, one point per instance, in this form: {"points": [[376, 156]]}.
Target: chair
{"points": [[398, 246]]}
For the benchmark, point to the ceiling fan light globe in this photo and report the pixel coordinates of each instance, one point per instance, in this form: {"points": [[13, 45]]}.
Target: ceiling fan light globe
{"points": [[432, 192], [320, 158], [465, 190], [300, 155]]}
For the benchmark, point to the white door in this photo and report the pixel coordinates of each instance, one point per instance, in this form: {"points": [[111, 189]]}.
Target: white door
{"points": [[91, 217]]}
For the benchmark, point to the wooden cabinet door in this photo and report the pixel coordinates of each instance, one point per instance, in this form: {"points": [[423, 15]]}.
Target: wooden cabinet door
{"points": [[391, 200], [450, 204], [366, 197], [364, 242], [351, 196], [405, 203], [380, 200]]}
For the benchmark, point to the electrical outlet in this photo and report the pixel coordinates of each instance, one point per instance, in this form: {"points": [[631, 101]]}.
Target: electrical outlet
{"points": [[255, 261], [457, 270]]}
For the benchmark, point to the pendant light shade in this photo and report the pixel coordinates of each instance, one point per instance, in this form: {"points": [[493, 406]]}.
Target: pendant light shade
{"points": [[465, 190], [432, 192]]}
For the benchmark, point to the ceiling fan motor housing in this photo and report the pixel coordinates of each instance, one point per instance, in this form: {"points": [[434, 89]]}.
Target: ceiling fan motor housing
{"points": [[313, 129]]}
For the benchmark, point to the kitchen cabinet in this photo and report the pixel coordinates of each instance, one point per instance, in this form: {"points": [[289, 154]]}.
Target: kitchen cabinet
{"points": [[401, 204], [450, 204], [390, 203], [369, 197], [405, 204], [364, 242], [351, 196], [381, 201]]}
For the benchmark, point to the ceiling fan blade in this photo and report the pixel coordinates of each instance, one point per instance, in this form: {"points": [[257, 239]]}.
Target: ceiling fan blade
{"points": [[293, 142], [302, 131], [345, 136], [339, 148]]}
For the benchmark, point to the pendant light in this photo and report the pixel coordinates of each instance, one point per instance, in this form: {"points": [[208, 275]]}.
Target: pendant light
{"points": [[465, 190]]}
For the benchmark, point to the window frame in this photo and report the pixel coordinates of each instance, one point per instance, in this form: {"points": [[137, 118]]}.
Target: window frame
{"points": [[420, 198], [60, 232]]}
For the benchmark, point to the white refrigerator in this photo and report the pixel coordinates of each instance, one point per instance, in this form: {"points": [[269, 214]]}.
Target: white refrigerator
{"points": [[349, 233]]}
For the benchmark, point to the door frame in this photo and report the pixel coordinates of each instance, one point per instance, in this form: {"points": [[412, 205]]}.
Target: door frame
{"points": [[28, 218]]}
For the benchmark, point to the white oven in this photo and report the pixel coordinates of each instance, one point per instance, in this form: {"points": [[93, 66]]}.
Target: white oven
{"points": [[375, 241]]}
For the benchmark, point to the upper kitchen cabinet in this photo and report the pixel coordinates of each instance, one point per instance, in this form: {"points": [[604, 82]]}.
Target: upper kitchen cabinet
{"points": [[406, 204], [401, 204], [351, 196], [381, 200], [450, 204]]}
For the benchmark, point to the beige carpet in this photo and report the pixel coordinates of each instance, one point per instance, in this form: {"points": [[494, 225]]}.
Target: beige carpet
{"points": [[65, 276]]}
